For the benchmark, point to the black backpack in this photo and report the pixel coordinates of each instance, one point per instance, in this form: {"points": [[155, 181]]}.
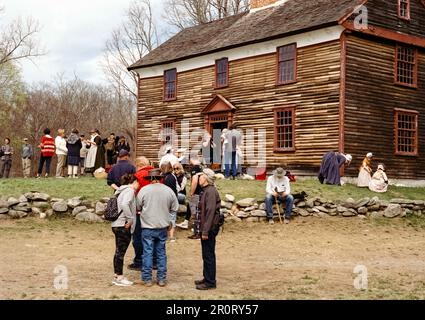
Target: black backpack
{"points": [[111, 211]]}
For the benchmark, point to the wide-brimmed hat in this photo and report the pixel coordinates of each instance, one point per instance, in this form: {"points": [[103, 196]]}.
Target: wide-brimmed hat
{"points": [[279, 173], [153, 174]]}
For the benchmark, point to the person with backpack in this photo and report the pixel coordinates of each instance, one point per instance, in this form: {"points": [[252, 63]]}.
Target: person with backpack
{"points": [[210, 205], [170, 180], [124, 225]]}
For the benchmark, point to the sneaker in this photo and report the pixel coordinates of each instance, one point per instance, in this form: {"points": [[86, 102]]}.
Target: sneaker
{"points": [[134, 266], [122, 281], [194, 237], [144, 283], [286, 221], [38, 176], [183, 225], [271, 221], [162, 283]]}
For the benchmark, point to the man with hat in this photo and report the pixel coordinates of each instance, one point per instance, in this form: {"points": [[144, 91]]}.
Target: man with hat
{"points": [[26, 158], [278, 190], [210, 204], [155, 202], [122, 167], [169, 156]]}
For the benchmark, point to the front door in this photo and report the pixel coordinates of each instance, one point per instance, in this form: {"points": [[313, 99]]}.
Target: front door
{"points": [[217, 152]]}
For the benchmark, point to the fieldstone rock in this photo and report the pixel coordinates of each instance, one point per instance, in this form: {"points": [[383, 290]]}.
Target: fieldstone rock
{"points": [[104, 200], [233, 219], [322, 209], [349, 203], [182, 208], [374, 207], [88, 217], [362, 210], [252, 219], [258, 213], [100, 208], [376, 214], [4, 204], [393, 210], [310, 210], [227, 205], [36, 211], [90, 210], [247, 177], [87, 203], [373, 201], [23, 199], [333, 212], [242, 214], [418, 213], [383, 203], [5, 217], [247, 202], [78, 209], [22, 207], [341, 209], [320, 214], [43, 215], [310, 203], [362, 202], [251, 208], [17, 214], [57, 200], [416, 208], [4, 210], [315, 210], [229, 198], [49, 212], [39, 196], [29, 195], [419, 203], [304, 213], [12, 201], [262, 206], [60, 206], [40, 204], [317, 203], [349, 213], [74, 202], [408, 211], [403, 214], [330, 205], [402, 201], [301, 204]]}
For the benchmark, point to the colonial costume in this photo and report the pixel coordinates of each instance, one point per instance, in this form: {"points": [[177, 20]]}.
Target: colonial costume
{"points": [[96, 156], [379, 181], [365, 171], [329, 168]]}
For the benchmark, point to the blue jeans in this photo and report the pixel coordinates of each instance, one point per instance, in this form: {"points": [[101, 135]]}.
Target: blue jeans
{"points": [[154, 245], [227, 165], [270, 201], [137, 242]]}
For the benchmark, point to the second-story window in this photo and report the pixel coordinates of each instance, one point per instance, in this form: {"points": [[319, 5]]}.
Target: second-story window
{"points": [[404, 9], [287, 64], [406, 66], [170, 84], [221, 73]]}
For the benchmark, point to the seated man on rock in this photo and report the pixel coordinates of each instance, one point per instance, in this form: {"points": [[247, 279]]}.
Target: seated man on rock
{"points": [[278, 190]]}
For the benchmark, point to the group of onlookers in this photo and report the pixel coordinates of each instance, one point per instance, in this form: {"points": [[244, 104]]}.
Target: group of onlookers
{"points": [[76, 155], [148, 200]]}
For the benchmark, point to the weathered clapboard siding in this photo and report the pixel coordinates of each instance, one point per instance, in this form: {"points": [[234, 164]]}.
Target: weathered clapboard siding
{"points": [[253, 92], [384, 14], [371, 97]]}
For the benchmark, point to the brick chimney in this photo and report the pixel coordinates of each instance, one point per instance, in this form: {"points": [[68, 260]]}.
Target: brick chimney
{"points": [[255, 4]]}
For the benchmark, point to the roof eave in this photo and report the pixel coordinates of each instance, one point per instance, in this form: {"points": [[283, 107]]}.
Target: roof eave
{"points": [[287, 34]]}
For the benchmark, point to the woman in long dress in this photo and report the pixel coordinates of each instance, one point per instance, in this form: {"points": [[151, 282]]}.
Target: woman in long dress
{"points": [[365, 171], [379, 181], [96, 156]]}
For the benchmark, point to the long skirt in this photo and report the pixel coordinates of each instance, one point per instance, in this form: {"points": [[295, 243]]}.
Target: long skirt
{"points": [[91, 157], [364, 178], [376, 185]]}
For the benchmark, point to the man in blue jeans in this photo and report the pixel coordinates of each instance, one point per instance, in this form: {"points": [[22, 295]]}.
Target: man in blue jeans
{"points": [[155, 202], [234, 138], [278, 190]]}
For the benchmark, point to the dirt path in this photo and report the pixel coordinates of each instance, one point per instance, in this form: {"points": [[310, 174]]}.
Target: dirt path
{"points": [[311, 258]]}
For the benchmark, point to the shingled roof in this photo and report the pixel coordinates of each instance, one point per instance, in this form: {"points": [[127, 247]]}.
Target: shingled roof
{"points": [[290, 17]]}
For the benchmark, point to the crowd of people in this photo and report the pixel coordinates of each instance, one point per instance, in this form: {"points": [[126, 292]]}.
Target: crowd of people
{"points": [[76, 155]]}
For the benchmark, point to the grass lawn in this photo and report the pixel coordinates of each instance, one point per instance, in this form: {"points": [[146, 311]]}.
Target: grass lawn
{"points": [[93, 189]]}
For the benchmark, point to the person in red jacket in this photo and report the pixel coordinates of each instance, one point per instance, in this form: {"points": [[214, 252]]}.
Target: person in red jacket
{"points": [[47, 147], [143, 167]]}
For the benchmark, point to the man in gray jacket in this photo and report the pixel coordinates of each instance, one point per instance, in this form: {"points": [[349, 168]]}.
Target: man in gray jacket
{"points": [[155, 202], [26, 158]]}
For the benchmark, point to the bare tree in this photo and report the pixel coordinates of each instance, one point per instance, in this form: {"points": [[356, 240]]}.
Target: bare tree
{"points": [[18, 41], [129, 43], [187, 13]]}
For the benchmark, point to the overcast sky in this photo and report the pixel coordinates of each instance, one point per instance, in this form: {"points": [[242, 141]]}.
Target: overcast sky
{"points": [[73, 32]]}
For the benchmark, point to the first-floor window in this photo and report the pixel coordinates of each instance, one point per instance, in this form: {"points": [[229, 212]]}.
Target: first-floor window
{"points": [[167, 132], [406, 132], [284, 129]]}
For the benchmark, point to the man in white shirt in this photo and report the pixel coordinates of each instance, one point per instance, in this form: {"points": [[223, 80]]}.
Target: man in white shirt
{"points": [[61, 153], [169, 157], [278, 190]]}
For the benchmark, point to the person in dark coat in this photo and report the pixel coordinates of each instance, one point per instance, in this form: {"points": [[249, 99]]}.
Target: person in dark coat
{"points": [[120, 169], [74, 145], [210, 214], [123, 145], [330, 166]]}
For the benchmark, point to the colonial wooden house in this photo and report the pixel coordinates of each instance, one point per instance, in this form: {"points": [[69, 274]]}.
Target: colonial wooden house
{"points": [[310, 73]]}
